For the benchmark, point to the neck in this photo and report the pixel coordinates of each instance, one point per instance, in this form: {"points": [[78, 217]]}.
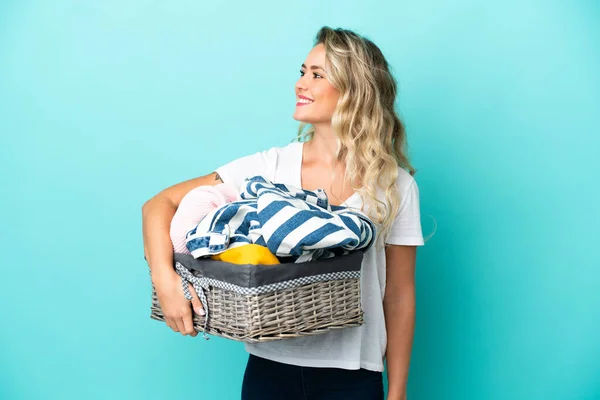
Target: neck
{"points": [[324, 143]]}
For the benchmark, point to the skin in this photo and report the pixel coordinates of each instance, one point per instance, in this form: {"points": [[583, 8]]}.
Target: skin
{"points": [[317, 164], [318, 167]]}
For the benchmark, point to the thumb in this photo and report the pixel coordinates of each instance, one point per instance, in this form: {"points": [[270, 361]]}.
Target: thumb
{"points": [[196, 305]]}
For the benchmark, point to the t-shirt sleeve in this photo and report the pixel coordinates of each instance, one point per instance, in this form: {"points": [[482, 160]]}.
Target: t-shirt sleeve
{"points": [[261, 163], [406, 228]]}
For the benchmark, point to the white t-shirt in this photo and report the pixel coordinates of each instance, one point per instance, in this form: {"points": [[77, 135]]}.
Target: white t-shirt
{"points": [[348, 348]]}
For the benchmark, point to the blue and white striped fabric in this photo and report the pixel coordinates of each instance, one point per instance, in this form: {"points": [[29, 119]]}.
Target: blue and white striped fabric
{"points": [[290, 222]]}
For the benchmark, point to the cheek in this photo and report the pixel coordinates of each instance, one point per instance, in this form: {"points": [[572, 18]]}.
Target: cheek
{"points": [[332, 97], [326, 94]]}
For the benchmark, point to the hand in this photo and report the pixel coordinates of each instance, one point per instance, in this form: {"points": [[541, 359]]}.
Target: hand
{"points": [[175, 307]]}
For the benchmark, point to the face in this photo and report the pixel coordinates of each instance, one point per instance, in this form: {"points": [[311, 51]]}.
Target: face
{"points": [[316, 99]]}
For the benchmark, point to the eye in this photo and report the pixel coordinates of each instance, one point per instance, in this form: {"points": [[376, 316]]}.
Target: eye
{"points": [[314, 74]]}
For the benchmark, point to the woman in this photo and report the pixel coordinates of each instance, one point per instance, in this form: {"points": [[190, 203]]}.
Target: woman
{"points": [[354, 149]]}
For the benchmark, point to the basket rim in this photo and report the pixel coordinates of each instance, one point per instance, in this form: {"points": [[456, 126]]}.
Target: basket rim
{"points": [[252, 276]]}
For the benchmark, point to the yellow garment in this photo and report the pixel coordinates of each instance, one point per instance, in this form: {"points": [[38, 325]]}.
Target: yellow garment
{"points": [[248, 254]]}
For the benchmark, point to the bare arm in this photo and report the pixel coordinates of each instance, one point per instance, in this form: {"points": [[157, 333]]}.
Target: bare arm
{"points": [[157, 214], [399, 311]]}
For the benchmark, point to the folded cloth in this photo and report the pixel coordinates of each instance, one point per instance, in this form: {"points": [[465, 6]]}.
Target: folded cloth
{"points": [[194, 206], [289, 221], [253, 254]]}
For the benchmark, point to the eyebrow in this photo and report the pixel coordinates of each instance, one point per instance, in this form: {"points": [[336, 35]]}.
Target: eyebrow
{"points": [[313, 67]]}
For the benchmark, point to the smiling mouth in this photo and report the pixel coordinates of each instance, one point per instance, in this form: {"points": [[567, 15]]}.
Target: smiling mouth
{"points": [[303, 102]]}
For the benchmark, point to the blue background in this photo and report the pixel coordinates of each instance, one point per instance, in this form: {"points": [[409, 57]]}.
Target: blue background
{"points": [[102, 105]]}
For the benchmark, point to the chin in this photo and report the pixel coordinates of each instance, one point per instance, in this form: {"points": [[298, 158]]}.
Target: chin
{"points": [[300, 119], [303, 118]]}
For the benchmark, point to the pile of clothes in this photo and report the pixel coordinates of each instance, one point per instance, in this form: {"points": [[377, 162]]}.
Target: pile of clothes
{"points": [[268, 223]]}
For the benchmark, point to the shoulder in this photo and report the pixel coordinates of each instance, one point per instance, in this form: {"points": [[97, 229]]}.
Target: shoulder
{"points": [[273, 153], [282, 150], [405, 181], [268, 156], [283, 159], [405, 185], [264, 162]]}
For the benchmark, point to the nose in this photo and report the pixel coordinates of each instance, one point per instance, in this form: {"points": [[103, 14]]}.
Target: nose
{"points": [[300, 84]]}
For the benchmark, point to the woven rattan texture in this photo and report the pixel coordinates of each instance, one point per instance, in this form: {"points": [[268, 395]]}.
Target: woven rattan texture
{"points": [[299, 311]]}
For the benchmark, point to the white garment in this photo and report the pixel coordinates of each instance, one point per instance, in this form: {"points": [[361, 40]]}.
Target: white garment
{"points": [[348, 348]]}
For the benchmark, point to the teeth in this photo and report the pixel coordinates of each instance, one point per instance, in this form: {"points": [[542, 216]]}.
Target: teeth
{"points": [[305, 101]]}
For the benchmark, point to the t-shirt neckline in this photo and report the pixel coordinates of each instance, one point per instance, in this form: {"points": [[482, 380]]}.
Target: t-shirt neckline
{"points": [[300, 153]]}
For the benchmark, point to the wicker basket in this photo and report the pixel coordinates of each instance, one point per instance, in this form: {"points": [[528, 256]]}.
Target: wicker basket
{"points": [[260, 303]]}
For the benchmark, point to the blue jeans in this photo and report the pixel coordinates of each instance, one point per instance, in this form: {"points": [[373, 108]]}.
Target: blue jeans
{"points": [[270, 380]]}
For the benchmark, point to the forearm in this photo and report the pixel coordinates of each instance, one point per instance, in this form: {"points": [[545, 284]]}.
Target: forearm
{"points": [[400, 323], [157, 214]]}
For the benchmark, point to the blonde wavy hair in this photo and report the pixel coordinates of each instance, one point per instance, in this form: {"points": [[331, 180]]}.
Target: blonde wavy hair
{"points": [[371, 136]]}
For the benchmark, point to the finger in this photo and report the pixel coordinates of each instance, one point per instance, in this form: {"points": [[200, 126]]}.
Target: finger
{"points": [[189, 325], [171, 324], [196, 304], [180, 326]]}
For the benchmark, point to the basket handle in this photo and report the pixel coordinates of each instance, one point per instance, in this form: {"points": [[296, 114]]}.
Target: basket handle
{"points": [[199, 284]]}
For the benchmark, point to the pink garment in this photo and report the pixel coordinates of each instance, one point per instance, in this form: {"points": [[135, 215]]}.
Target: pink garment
{"points": [[196, 205]]}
